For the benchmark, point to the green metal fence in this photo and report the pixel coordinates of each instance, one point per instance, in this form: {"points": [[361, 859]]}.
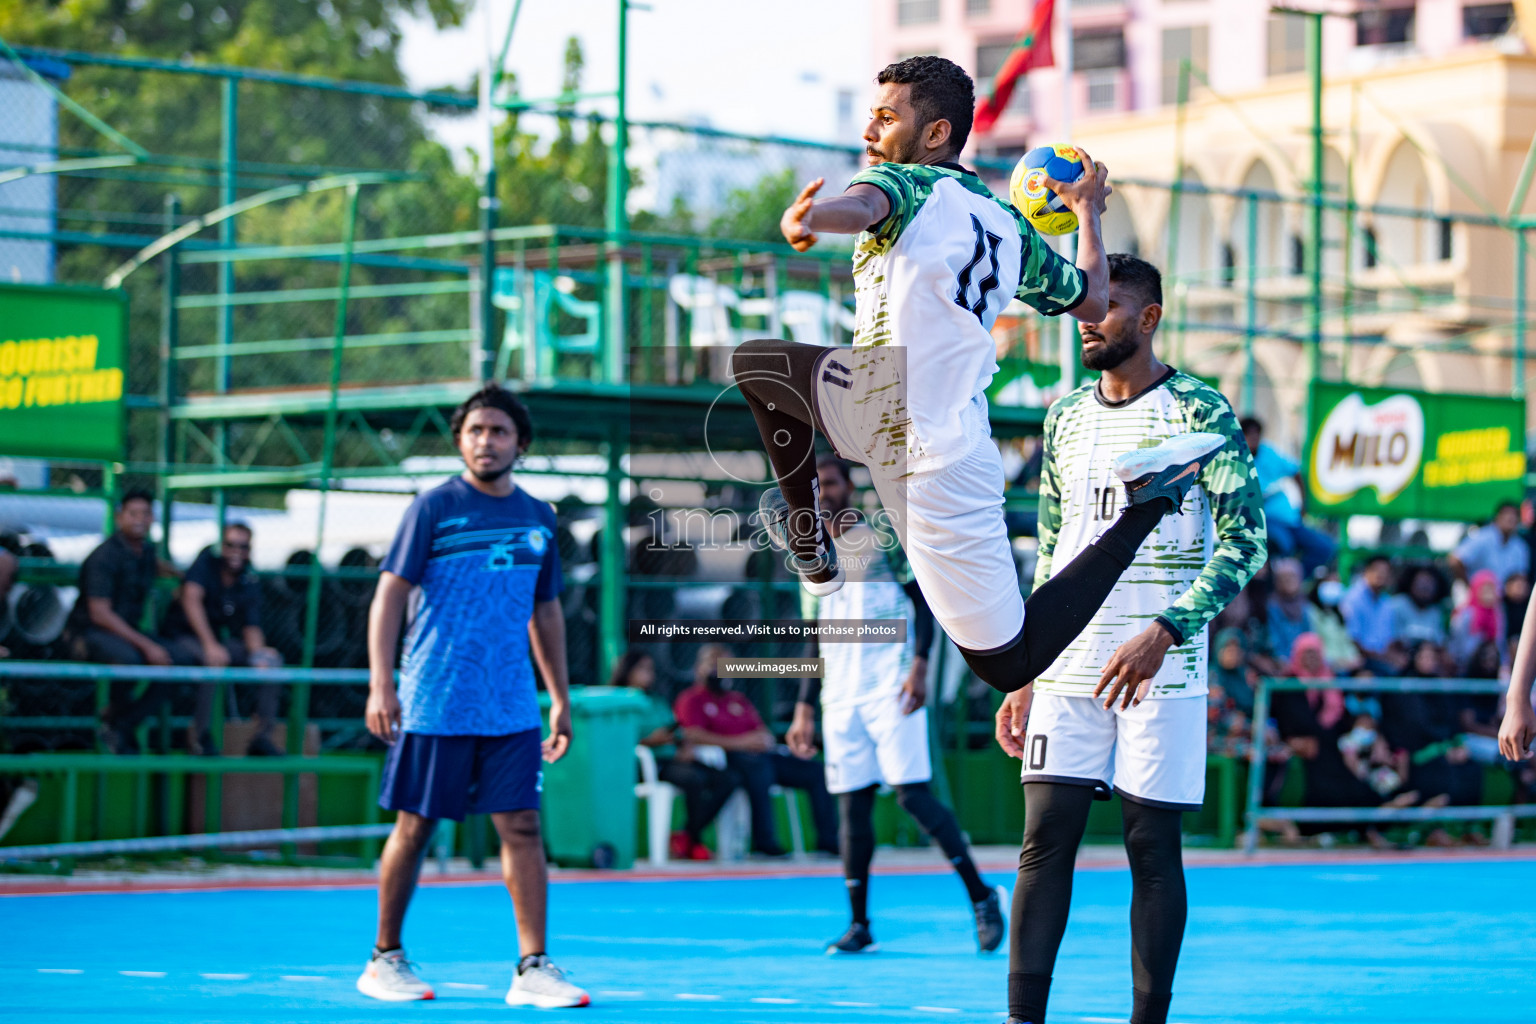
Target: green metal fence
{"points": [[317, 338]]}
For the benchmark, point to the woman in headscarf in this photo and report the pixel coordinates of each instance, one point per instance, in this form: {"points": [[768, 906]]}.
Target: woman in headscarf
{"points": [[1428, 727], [1480, 618], [1311, 722], [1229, 668]]}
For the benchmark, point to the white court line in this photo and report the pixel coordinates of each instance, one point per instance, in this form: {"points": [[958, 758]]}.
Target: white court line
{"points": [[303, 977], [844, 1002], [621, 993], [226, 977], [697, 997], [936, 1009], [464, 984], [142, 974], [59, 970], [776, 1000]]}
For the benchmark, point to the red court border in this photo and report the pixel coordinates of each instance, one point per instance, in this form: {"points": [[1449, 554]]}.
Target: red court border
{"points": [[24, 886]]}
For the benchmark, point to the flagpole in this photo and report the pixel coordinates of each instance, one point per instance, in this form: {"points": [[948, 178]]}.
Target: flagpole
{"points": [[1067, 346]]}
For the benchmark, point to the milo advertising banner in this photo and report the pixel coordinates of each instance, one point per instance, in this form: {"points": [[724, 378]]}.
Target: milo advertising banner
{"points": [[1409, 454], [61, 371]]}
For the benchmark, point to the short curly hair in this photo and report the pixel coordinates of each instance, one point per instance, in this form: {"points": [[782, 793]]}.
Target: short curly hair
{"points": [[494, 396], [941, 91]]}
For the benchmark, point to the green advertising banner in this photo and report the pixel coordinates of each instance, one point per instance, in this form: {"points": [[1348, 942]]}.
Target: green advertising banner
{"points": [[61, 371], [1413, 455]]}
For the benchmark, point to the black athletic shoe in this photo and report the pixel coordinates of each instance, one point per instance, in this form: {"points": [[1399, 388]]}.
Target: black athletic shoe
{"points": [[855, 940], [991, 925]]}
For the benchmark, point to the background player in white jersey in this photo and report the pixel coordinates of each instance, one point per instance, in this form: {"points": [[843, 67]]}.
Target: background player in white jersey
{"points": [[1124, 704], [937, 257], [874, 716]]}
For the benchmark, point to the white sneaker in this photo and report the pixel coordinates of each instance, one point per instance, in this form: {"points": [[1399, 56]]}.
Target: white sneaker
{"points": [[543, 984], [1167, 470], [388, 976]]}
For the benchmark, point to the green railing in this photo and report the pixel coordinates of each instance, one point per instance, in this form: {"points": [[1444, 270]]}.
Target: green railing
{"points": [[1504, 816]]}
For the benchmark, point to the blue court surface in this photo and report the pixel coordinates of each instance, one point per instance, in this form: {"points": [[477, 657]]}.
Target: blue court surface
{"points": [[1357, 941]]}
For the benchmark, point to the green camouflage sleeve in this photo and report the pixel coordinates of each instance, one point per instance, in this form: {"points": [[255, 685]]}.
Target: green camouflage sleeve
{"points": [[1050, 501], [1237, 510], [1046, 280], [906, 189]]}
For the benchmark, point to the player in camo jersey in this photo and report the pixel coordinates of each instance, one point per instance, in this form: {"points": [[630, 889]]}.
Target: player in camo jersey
{"points": [[1124, 704], [874, 716], [937, 258]]}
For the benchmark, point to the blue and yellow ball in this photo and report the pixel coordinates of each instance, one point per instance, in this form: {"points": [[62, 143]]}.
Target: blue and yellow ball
{"points": [[1039, 205]]}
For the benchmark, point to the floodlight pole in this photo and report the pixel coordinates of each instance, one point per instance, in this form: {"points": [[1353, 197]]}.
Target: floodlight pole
{"points": [[1315, 211], [611, 632], [618, 217], [226, 280], [1067, 342], [1315, 236]]}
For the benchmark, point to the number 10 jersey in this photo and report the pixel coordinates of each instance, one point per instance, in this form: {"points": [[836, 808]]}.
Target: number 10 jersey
{"points": [[930, 280]]}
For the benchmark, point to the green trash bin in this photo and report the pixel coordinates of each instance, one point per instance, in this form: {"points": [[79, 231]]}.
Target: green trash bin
{"points": [[589, 794]]}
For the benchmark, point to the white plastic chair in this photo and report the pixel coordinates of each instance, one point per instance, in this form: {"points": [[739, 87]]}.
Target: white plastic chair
{"points": [[659, 797]]}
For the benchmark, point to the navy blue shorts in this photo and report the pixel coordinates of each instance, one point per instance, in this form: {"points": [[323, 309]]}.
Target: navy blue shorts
{"points": [[451, 776]]}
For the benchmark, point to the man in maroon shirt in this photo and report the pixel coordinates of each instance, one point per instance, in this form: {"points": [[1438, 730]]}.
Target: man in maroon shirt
{"points": [[711, 715]]}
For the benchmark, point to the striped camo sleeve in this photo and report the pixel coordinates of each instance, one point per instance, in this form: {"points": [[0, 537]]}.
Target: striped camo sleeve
{"points": [[1237, 511]]}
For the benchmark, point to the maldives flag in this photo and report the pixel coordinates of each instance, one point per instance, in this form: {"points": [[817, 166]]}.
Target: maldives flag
{"points": [[1031, 50]]}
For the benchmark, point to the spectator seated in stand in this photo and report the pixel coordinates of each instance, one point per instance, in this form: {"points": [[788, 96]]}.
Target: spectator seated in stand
{"points": [[1368, 613], [1427, 727], [1311, 722], [1339, 650], [1280, 483], [103, 627], [1288, 615], [1481, 713], [1517, 594], [1497, 547], [705, 789], [1480, 619], [712, 715], [1418, 609], [1230, 670], [216, 621]]}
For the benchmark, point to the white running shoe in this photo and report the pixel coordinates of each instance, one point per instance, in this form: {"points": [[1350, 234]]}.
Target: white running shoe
{"points": [[542, 984], [389, 977]]}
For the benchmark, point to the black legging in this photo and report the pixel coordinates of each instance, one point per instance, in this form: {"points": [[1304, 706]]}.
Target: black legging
{"points": [[1055, 815], [856, 813], [777, 378]]}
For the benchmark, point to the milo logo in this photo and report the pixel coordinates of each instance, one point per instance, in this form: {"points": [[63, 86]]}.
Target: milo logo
{"points": [[1359, 446]]}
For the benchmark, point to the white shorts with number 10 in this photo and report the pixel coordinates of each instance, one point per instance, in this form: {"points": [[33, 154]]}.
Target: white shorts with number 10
{"points": [[1153, 753]]}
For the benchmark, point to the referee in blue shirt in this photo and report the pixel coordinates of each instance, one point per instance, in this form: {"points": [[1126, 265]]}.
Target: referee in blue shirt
{"points": [[464, 729]]}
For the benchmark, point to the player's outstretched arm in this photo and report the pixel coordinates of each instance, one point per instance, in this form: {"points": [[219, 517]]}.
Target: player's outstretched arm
{"points": [[857, 209], [1519, 726], [1086, 197]]}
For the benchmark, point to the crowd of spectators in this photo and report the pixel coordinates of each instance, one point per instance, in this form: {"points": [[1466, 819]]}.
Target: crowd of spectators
{"points": [[1458, 617], [213, 620]]}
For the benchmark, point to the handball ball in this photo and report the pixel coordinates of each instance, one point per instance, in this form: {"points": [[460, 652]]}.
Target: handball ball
{"points": [[1039, 205]]}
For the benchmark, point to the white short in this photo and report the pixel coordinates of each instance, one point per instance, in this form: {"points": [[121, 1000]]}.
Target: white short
{"points": [[1153, 753], [873, 742], [950, 524]]}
